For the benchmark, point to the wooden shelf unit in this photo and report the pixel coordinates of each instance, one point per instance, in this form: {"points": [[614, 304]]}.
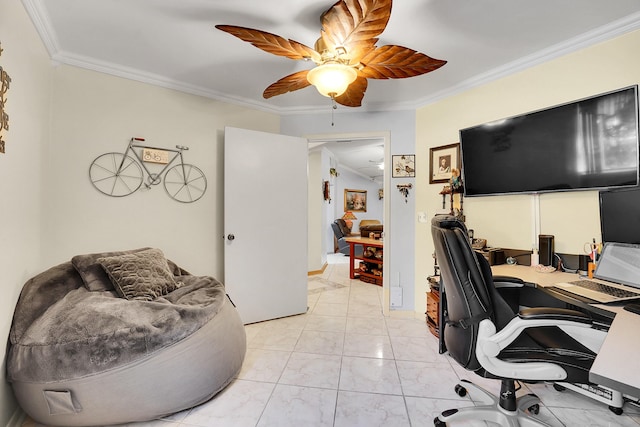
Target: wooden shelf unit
{"points": [[354, 271], [433, 306]]}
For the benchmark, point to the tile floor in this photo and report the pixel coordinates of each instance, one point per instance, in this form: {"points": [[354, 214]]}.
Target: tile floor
{"points": [[344, 364]]}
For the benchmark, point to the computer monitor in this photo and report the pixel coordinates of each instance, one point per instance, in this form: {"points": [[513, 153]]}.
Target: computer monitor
{"points": [[620, 215]]}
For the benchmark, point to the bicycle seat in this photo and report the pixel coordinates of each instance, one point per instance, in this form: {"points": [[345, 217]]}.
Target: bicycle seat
{"points": [[181, 147]]}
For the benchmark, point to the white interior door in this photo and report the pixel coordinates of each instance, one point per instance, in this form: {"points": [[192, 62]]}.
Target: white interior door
{"points": [[265, 222]]}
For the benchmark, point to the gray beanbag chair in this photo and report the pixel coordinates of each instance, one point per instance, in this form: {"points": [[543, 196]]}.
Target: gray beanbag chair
{"points": [[84, 352]]}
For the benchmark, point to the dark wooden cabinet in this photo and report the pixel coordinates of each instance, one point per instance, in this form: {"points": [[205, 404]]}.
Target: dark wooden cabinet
{"points": [[433, 306]]}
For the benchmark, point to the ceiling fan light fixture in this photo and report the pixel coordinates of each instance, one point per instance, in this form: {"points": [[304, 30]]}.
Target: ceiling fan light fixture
{"points": [[332, 79]]}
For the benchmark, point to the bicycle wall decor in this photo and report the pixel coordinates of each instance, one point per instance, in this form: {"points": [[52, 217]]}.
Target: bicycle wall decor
{"points": [[121, 174]]}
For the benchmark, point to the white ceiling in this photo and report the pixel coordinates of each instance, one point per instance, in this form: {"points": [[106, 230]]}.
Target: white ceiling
{"points": [[362, 156], [173, 43]]}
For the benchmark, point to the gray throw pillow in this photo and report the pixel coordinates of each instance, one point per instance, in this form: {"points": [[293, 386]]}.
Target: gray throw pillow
{"points": [[143, 275], [93, 275]]}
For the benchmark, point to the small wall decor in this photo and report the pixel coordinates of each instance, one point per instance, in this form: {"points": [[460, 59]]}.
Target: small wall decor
{"points": [[404, 166], [442, 160], [355, 200], [380, 193], [326, 191], [404, 190], [4, 117]]}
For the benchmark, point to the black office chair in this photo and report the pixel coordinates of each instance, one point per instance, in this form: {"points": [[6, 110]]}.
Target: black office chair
{"points": [[341, 235], [483, 334]]}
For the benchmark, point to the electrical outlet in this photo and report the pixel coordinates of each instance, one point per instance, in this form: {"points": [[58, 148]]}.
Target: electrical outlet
{"points": [[422, 217], [396, 296]]}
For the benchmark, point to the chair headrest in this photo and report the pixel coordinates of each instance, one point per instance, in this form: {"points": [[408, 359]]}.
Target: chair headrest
{"points": [[449, 222]]}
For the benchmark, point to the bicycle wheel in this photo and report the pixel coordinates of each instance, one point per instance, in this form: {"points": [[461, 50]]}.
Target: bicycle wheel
{"points": [[185, 183], [115, 174]]}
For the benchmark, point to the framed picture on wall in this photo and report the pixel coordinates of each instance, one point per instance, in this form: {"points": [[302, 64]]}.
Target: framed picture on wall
{"points": [[355, 200], [404, 166], [441, 161]]}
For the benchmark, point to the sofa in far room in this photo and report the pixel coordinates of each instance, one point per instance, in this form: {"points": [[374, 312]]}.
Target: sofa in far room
{"points": [[368, 226]]}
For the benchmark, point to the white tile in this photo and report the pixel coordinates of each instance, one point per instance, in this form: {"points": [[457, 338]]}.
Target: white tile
{"points": [[370, 410], [407, 328], [320, 342], [414, 348], [239, 405], [369, 375], [369, 310], [292, 406], [326, 323], [263, 365], [367, 325], [274, 338], [376, 346], [592, 418], [330, 309], [312, 370], [422, 411], [423, 379]]}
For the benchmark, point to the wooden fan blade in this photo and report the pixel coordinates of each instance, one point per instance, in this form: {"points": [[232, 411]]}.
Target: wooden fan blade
{"points": [[286, 84], [272, 43], [397, 62], [354, 94], [355, 25]]}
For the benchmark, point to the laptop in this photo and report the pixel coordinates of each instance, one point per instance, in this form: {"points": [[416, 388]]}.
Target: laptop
{"points": [[616, 277]]}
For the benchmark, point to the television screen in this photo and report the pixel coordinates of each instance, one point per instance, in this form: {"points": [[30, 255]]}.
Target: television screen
{"points": [[586, 144], [620, 215]]}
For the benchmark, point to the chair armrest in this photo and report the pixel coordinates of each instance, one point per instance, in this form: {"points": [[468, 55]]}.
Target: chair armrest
{"points": [[508, 282], [490, 343], [549, 313]]}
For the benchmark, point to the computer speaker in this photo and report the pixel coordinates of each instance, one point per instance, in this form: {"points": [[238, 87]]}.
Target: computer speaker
{"points": [[545, 249]]}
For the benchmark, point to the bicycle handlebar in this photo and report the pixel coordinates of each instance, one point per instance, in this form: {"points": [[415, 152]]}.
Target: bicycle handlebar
{"points": [[179, 147]]}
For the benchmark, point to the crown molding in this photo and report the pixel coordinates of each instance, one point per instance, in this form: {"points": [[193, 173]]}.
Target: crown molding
{"points": [[40, 19], [599, 35]]}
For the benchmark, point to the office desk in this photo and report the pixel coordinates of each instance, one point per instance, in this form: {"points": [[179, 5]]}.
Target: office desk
{"points": [[617, 364], [544, 281]]}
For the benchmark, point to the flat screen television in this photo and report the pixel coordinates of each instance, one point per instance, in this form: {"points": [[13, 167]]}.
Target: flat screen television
{"points": [[583, 145], [620, 215]]}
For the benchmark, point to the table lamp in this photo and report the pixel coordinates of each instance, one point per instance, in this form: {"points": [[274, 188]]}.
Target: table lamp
{"points": [[348, 217]]}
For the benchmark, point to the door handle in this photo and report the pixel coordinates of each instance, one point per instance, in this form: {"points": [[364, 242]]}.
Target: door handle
{"points": [[231, 237]]}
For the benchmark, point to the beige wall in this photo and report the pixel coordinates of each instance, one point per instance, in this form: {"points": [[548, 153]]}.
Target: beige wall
{"points": [[21, 169], [507, 221], [95, 113], [61, 119]]}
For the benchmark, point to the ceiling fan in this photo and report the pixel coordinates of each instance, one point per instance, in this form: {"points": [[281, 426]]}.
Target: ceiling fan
{"points": [[345, 55]]}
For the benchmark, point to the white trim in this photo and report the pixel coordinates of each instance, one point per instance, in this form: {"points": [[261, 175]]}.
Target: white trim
{"points": [[17, 418], [40, 18]]}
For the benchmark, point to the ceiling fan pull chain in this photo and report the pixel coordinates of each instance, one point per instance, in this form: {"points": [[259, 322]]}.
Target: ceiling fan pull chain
{"points": [[334, 107]]}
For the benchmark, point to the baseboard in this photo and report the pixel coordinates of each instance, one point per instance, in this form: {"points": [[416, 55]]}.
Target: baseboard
{"points": [[313, 273], [17, 418]]}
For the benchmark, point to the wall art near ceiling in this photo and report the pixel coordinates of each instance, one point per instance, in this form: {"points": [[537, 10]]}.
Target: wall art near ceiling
{"points": [[404, 166], [442, 160], [4, 117], [355, 200]]}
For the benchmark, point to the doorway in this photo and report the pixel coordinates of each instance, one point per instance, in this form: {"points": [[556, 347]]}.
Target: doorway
{"points": [[369, 149]]}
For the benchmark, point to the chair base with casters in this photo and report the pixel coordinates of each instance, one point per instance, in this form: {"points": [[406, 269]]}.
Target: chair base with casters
{"points": [[509, 410]]}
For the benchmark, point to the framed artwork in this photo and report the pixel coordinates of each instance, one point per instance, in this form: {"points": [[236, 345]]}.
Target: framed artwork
{"points": [[441, 161], [355, 200], [404, 166]]}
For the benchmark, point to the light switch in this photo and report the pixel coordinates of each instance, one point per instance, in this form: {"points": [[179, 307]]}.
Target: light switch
{"points": [[422, 217]]}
